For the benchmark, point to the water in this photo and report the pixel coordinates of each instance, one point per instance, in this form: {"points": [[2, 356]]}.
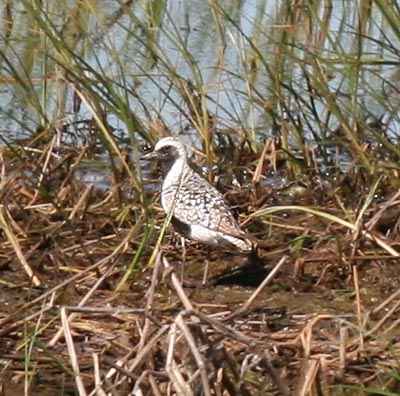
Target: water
{"points": [[187, 37]]}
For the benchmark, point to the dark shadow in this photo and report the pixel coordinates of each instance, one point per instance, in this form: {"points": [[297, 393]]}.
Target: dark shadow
{"points": [[250, 274]]}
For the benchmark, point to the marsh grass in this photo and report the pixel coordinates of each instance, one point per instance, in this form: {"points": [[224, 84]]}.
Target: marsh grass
{"points": [[298, 108]]}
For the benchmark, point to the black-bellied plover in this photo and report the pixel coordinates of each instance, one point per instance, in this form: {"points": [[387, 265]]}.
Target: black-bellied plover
{"points": [[198, 210]]}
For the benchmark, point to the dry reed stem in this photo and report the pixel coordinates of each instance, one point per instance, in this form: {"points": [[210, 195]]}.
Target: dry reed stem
{"points": [[72, 353], [309, 371], [252, 345], [141, 356], [196, 353], [75, 165], [353, 227], [386, 302], [98, 390], [13, 240], [149, 301], [305, 335], [82, 204], [268, 154], [47, 153], [118, 369], [343, 343], [384, 319], [18, 323], [171, 368], [115, 311], [393, 201], [254, 295], [379, 241], [177, 285], [325, 386], [154, 387], [44, 295], [359, 309], [83, 301], [177, 381]]}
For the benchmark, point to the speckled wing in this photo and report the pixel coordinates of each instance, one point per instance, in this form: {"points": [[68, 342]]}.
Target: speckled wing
{"points": [[197, 202]]}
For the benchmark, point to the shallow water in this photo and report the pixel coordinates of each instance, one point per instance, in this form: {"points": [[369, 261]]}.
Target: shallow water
{"points": [[111, 39]]}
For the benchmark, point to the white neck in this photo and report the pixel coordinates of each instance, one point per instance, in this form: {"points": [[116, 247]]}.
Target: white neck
{"points": [[174, 175]]}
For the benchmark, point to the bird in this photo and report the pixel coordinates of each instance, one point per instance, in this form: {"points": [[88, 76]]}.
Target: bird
{"points": [[198, 210]]}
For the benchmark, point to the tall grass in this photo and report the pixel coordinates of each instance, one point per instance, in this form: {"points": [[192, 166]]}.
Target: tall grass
{"points": [[310, 69]]}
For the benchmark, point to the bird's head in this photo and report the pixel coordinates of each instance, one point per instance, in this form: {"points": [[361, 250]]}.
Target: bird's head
{"points": [[167, 149]]}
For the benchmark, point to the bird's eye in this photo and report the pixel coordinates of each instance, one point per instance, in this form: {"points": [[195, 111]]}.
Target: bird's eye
{"points": [[165, 151]]}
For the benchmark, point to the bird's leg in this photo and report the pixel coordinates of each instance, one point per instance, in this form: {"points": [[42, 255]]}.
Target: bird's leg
{"points": [[207, 262], [204, 281], [183, 243]]}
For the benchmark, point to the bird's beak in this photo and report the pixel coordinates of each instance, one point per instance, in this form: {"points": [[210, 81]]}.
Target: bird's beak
{"points": [[149, 156]]}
